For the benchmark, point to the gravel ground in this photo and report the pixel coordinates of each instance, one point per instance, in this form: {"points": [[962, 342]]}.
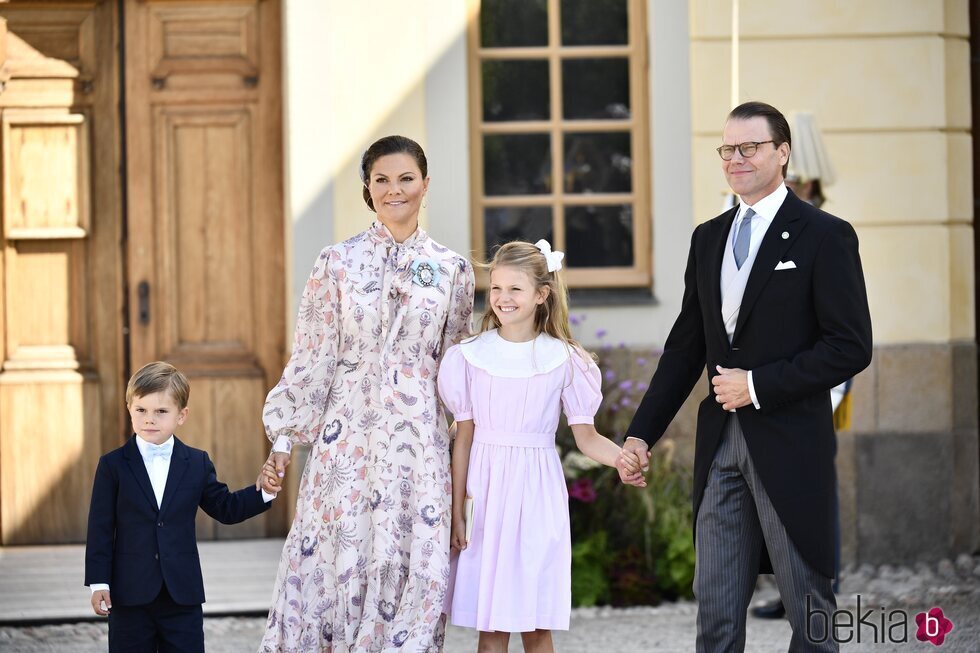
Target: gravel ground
{"points": [[952, 586]]}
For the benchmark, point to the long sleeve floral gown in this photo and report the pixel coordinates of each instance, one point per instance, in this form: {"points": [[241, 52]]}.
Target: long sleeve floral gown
{"points": [[365, 566]]}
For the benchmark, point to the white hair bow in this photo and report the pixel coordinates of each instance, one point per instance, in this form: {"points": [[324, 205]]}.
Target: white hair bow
{"points": [[553, 258]]}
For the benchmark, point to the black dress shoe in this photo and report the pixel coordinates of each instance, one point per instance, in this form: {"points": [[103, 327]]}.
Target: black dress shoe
{"points": [[772, 610]]}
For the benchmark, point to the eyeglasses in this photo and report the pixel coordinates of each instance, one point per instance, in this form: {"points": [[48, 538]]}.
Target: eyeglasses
{"points": [[746, 149]]}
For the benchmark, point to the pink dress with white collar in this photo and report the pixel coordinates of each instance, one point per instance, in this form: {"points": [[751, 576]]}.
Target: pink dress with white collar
{"points": [[515, 574]]}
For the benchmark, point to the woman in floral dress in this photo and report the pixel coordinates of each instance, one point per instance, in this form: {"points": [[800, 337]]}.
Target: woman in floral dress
{"points": [[365, 566]]}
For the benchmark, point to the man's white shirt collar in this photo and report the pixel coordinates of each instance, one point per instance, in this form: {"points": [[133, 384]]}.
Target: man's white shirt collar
{"points": [[767, 207]]}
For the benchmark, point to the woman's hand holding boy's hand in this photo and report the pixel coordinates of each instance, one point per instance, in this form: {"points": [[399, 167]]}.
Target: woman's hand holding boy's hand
{"points": [[268, 480], [279, 460], [101, 602], [630, 468], [272, 473]]}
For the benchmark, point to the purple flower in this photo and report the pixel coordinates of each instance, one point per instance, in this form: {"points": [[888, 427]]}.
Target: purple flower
{"points": [[610, 375], [582, 490], [621, 345], [574, 320], [626, 385], [601, 333], [625, 401], [641, 362]]}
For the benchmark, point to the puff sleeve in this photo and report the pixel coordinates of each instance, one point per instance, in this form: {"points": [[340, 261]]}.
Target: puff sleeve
{"points": [[454, 384], [582, 395], [294, 408]]}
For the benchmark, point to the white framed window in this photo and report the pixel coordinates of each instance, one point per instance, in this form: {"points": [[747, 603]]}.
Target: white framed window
{"points": [[559, 133]]}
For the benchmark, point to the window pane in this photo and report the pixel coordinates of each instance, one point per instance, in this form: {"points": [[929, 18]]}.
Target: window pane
{"points": [[516, 90], [593, 22], [599, 236], [595, 88], [518, 223], [518, 164], [513, 23], [598, 163]]}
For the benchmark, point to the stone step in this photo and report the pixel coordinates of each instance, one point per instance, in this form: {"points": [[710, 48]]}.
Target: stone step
{"points": [[44, 583]]}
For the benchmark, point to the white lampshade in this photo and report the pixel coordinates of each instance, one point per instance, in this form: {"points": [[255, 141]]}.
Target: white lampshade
{"points": [[808, 158]]}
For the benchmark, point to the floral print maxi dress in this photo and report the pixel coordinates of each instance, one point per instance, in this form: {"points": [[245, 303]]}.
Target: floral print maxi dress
{"points": [[365, 566]]}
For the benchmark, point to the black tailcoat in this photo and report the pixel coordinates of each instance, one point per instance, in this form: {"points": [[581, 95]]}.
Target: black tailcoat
{"points": [[801, 332]]}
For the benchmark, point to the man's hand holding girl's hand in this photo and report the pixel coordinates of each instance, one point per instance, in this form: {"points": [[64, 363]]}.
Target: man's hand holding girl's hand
{"points": [[630, 465]]}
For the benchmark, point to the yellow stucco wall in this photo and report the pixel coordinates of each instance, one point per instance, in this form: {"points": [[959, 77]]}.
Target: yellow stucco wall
{"points": [[379, 57], [888, 83]]}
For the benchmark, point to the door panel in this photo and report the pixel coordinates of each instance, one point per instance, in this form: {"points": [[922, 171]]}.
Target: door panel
{"points": [[204, 173], [61, 387], [205, 218]]}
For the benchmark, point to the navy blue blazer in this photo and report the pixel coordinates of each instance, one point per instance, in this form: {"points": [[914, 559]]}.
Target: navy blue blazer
{"points": [[135, 547]]}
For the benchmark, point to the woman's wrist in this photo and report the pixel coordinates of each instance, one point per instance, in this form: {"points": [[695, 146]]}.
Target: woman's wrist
{"points": [[282, 445]]}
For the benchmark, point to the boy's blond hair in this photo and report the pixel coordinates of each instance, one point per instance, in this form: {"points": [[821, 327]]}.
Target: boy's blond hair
{"points": [[159, 377]]}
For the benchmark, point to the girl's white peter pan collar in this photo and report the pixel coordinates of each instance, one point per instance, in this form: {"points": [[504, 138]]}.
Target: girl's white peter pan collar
{"points": [[514, 360]]}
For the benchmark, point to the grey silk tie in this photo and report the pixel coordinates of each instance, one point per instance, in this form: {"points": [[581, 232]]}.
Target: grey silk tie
{"points": [[742, 238]]}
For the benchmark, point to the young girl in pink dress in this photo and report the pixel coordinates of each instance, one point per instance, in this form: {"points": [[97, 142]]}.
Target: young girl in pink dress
{"points": [[505, 387]]}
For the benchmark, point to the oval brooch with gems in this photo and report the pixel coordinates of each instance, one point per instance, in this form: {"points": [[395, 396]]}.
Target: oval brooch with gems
{"points": [[425, 272]]}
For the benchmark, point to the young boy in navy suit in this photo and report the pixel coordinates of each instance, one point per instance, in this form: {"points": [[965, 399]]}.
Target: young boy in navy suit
{"points": [[141, 537]]}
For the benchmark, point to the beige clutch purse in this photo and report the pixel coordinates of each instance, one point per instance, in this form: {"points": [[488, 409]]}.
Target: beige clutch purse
{"points": [[468, 517]]}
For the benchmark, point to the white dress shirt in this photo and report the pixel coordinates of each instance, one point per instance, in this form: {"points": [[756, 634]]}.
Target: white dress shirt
{"points": [[156, 459], [765, 211]]}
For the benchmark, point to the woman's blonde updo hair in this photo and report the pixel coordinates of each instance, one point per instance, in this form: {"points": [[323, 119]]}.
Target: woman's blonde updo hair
{"points": [[551, 316]]}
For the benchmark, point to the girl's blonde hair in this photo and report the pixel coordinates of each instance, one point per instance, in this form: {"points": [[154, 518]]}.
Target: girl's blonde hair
{"points": [[551, 316]]}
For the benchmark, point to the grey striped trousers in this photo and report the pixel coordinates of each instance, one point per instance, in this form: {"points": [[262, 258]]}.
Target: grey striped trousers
{"points": [[735, 516]]}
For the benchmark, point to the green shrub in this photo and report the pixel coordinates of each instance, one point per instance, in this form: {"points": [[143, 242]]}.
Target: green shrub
{"points": [[590, 566]]}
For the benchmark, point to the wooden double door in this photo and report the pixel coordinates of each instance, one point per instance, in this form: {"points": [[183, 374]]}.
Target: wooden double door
{"points": [[142, 219]]}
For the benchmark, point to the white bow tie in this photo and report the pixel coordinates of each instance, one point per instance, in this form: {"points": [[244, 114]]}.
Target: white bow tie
{"points": [[161, 451]]}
